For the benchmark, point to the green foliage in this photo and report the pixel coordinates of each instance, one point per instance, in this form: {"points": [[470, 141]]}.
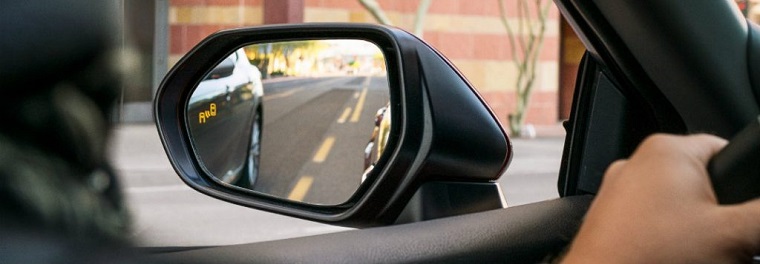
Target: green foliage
{"points": [[265, 54]]}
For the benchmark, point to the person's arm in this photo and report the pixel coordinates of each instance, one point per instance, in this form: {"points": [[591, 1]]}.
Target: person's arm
{"points": [[659, 207]]}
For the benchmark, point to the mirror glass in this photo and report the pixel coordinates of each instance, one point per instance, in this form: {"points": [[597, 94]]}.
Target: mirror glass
{"points": [[300, 120]]}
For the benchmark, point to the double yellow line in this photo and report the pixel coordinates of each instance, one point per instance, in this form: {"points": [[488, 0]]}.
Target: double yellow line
{"points": [[356, 115], [304, 183]]}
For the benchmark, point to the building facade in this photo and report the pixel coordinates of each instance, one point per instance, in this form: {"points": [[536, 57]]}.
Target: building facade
{"points": [[469, 33]]}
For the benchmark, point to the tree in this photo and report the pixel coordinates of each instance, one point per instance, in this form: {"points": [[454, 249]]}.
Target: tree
{"points": [[525, 46], [265, 54], [419, 21]]}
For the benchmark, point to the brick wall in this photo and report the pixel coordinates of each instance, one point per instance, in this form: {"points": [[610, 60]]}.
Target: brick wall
{"points": [[190, 21], [469, 33]]}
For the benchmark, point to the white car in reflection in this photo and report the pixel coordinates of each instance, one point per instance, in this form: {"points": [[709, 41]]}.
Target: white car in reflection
{"points": [[225, 120]]}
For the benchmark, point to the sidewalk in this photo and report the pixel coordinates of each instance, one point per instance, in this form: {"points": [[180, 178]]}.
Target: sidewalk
{"points": [[543, 131], [555, 130], [138, 155]]}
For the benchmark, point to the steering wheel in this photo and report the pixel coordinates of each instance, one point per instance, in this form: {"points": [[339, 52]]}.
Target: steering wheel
{"points": [[735, 170]]}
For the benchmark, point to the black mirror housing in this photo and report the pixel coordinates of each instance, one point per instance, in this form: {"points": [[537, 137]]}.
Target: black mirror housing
{"points": [[443, 131]]}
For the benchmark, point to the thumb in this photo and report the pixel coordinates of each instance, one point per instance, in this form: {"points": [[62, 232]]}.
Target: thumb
{"points": [[705, 146]]}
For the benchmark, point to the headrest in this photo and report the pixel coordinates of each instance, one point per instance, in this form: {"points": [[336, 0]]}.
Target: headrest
{"points": [[44, 41]]}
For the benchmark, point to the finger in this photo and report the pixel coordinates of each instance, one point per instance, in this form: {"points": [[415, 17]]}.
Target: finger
{"points": [[704, 146], [615, 167]]}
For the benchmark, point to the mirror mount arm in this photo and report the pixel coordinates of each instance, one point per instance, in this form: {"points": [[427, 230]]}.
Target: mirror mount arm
{"points": [[444, 199]]}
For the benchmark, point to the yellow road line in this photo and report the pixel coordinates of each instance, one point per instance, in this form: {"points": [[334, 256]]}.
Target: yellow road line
{"points": [[359, 105], [344, 116], [302, 187], [324, 150]]}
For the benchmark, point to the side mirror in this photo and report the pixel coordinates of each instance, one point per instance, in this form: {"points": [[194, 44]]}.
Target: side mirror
{"points": [[279, 144]]}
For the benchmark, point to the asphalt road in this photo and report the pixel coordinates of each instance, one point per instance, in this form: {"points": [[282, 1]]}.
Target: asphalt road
{"points": [[315, 131], [167, 213]]}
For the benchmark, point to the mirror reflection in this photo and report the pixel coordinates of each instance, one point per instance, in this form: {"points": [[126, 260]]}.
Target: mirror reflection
{"points": [[300, 120]]}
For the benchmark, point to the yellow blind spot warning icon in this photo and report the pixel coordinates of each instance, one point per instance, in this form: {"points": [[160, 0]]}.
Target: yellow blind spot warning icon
{"points": [[206, 114]]}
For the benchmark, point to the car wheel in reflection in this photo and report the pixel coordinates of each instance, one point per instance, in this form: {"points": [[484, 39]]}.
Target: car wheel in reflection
{"points": [[251, 170]]}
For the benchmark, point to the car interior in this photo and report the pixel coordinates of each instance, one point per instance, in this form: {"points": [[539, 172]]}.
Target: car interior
{"points": [[651, 66]]}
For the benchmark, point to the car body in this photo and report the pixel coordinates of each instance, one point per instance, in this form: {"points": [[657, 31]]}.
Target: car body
{"points": [[224, 105], [378, 139]]}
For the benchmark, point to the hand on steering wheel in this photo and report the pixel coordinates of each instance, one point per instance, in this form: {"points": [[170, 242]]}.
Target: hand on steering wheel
{"points": [[659, 207]]}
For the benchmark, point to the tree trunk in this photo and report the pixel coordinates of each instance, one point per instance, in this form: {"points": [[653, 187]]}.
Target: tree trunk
{"points": [[528, 44], [374, 8]]}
